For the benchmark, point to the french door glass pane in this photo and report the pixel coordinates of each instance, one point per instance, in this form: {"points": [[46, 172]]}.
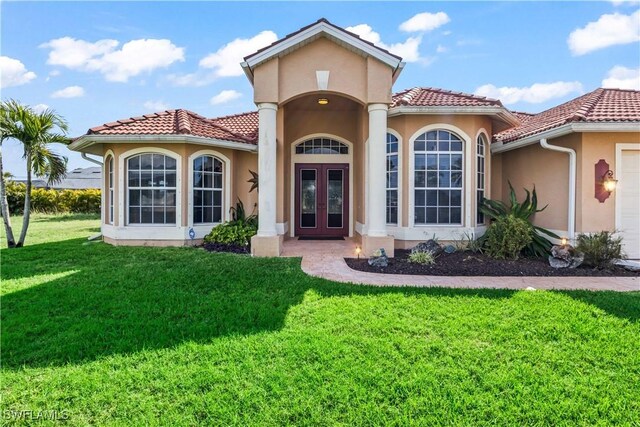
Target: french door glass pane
{"points": [[308, 198], [334, 198]]}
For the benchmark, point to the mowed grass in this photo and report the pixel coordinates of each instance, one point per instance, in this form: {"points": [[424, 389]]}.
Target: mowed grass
{"points": [[179, 336]]}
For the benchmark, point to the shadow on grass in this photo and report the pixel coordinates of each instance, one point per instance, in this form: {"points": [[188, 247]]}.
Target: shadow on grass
{"points": [[120, 300]]}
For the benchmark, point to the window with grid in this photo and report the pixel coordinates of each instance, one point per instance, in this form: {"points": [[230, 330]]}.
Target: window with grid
{"points": [[438, 177], [110, 189], [480, 176], [392, 179], [151, 189], [207, 190], [322, 146]]}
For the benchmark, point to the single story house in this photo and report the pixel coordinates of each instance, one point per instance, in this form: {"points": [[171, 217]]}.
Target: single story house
{"points": [[339, 154], [76, 179]]}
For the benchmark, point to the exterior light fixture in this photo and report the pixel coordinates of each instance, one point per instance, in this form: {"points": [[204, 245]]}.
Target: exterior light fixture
{"points": [[563, 241], [604, 181], [608, 182], [358, 250], [323, 101]]}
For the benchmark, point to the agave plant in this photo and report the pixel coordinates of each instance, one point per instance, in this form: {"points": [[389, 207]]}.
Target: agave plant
{"points": [[494, 209]]}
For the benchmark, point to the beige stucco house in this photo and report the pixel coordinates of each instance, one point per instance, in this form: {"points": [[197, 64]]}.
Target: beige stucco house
{"points": [[338, 154]]}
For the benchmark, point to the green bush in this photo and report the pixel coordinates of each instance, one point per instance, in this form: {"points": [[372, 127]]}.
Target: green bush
{"points": [[232, 233], [600, 249], [423, 258], [507, 236], [53, 201], [494, 209]]}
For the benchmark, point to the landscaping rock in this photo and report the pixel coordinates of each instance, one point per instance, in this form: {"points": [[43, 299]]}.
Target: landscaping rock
{"points": [[428, 246], [449, 249], [565, 256], [380, 261]]}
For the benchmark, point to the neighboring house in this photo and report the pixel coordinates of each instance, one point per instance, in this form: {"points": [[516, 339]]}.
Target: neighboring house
{"points": [[77, 179], [339, 155]]}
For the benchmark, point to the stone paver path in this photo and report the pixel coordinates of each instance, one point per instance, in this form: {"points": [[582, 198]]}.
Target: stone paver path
{"points": [[325, 259]]}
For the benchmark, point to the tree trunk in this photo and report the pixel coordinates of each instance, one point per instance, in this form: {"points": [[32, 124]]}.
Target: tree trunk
{"points": [[4, 205], [27, 206]]}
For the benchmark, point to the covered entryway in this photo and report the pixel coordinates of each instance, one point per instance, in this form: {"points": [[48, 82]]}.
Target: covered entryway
{"points": [[322, 200], [629, 203]]}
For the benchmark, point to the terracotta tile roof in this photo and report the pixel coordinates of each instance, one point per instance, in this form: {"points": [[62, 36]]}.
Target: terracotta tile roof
{"points": [[433, 97], [170, 122], [245, 124], [601, 105], [326, 21]]}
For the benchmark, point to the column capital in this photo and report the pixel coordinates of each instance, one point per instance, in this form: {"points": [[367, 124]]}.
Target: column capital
{"points": [[267, 106], [377, 107]]}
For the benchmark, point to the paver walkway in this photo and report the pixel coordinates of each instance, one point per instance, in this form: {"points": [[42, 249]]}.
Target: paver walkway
{"points": [[325, 259]]}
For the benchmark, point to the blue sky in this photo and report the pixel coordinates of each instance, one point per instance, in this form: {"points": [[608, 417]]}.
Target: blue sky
{"points": [[96, 62]]}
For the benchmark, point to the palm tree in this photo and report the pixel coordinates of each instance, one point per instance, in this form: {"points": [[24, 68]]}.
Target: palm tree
{"points": [[36, 131]]}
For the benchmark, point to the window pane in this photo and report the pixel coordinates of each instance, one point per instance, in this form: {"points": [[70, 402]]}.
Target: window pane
{"points": [[158, 179], [443, 197], [134, 162], [197, 164], [134, 215], [170, 164], [444, 162], [456, 198], [443, 179], [456, 216], [432, 215], [134, 197], [432, 146], [456, 179], [146, 179], [170, 197], [217, 180], [456, 162], [432, 197], [420, 217], [207, 214], [170, 216], [197, 180], [158, 161], [207, 198], [217, 198], [197, 214], [208, 180], [134, 178], [432, 179], [419, 145], [432, 161], [158, 197], [420, 179], [420, 162], [420, 197], [197, 198], [456, 145], [146, 215], [207, 164], [145, 161], [217, 214], [443, 215]]}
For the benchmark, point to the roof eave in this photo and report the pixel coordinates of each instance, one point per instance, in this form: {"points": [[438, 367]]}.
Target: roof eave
{"points": [[500, 112], [317, 29], [84, 142], [499, 147]]}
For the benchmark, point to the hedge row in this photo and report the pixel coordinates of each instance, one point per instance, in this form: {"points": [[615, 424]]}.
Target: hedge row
{"points": [[53, 201]]}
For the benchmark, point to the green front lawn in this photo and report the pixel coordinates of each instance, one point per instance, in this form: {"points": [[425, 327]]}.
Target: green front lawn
{"points": [[179, 336]]}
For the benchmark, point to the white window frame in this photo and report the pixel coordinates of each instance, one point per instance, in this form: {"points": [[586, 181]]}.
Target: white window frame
{"points": [[467, 180], [481, 141], [398, 189], [110, 181], [204, 228], [123, 203]]}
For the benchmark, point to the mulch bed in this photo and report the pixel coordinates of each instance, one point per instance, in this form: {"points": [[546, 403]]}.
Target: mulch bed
{"points": [[476, 264]]}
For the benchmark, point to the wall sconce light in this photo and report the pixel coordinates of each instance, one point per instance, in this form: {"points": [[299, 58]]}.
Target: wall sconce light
{"points": [[563, 241], [605, 183], [323, 101], [358, 250]]}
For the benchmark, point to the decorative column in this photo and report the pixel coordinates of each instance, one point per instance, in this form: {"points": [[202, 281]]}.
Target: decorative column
{"points": [[266, 242], [376, 216], [376, 219]]}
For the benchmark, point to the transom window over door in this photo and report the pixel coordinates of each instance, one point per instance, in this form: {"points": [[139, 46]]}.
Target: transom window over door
{"points": [[151, 185], [207, 190], [438, 177], [392, 179], [322, 146]]}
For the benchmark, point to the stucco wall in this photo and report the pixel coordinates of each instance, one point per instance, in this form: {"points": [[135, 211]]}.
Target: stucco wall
{"points": [[279, 80]]}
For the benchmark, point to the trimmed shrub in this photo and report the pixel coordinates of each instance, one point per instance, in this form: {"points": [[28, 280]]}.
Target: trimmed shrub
{"points": [[507, 236], [236, 233], [53, 201], [600, 249], [423, 258]]}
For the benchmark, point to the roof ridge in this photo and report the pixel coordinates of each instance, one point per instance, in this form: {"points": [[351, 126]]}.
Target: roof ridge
{"points": [[183, 124], [234, 115], [224, 128], [588, 104], [464, 94]]}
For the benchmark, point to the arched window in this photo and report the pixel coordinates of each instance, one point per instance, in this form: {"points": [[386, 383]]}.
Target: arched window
{"points": [[110, 166], [151, 189], [207, 190], [438, 178], [322, 146], [392, 179], [480, 176]]}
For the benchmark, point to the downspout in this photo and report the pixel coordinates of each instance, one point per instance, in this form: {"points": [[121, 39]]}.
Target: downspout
{"points": [[89, 159], [571, 221]]}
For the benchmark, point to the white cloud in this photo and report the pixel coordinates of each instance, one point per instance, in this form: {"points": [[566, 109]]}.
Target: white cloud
{"points": [[424, 22], [622, 78], [442, 49], [225, 96], [625, 2], [226, 61], [14, 73], [118, 65], [407, 50], [69, 92], [54, 73], [156, 105], [608, 30], [39, 108], [534, 94]]}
